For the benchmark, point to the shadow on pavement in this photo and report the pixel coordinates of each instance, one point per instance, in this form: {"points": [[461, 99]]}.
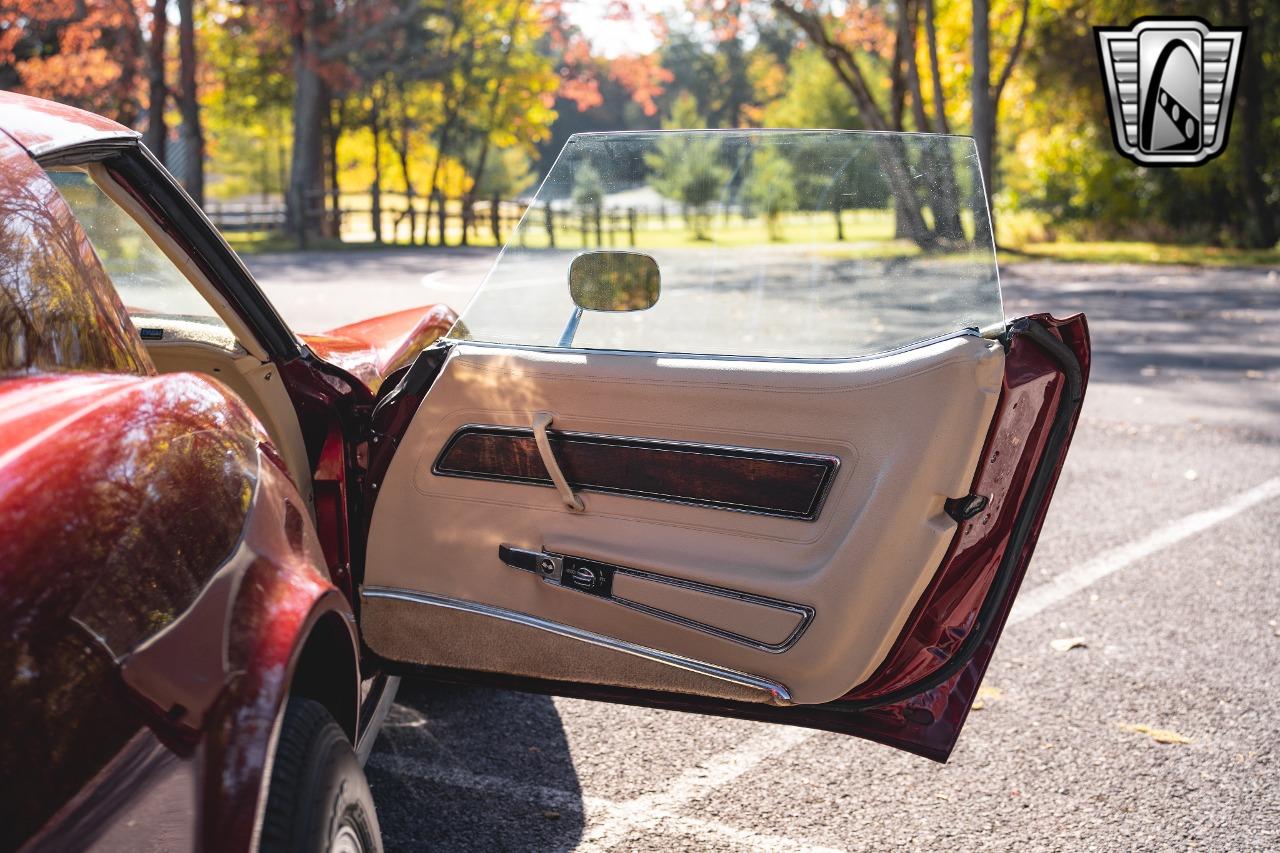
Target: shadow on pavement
{"points": [[1161, 325], [442, 772]]}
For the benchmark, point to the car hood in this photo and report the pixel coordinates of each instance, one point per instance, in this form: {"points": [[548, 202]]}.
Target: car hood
{"points": [[372, 349]]}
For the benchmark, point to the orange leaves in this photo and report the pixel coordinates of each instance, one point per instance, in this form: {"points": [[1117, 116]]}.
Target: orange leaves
{"points": [[74, 77], [865, 28], [86, 54], [643, 76], [581, 71], [583, 91]]}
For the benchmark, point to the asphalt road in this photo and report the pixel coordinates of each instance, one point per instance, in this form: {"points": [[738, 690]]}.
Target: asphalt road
{"points": [[1161, 553]]}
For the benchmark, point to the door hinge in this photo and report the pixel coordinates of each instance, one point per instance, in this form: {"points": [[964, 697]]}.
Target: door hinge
{"points": [[965, 508]]}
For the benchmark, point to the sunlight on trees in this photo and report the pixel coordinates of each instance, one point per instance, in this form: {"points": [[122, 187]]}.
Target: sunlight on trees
{"points": [[418, 106], [771, 189], [689, 170]]}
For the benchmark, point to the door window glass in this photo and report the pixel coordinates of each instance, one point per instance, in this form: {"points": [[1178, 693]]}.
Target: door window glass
{"points": [[147, 281], [810, 244], [57, 308]]}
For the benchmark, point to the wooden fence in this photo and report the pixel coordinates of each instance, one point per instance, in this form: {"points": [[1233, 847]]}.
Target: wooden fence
{"points": [[441, 221]]}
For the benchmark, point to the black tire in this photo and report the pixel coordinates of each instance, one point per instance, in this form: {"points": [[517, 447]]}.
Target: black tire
{"points": [[318, 800]]}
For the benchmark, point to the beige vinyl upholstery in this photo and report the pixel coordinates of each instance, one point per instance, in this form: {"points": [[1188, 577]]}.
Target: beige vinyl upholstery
{"points": [[907, 428], [188, 347], [231, 353]]}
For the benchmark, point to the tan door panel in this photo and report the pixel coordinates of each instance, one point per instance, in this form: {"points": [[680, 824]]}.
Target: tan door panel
{"points": [[906, 428], [753, 620]]}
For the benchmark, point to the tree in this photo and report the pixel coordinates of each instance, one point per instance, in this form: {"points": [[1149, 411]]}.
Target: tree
{"points": [[985, 96], [156, 133], [323, 36], [1066, 174], [88, 55], [1260, 231], [689, 168], [245, 98], [189, 103], [771, 188], [910, 220]]}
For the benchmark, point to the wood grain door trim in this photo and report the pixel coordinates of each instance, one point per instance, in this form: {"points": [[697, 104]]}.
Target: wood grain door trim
{"points": [[740, 479]]}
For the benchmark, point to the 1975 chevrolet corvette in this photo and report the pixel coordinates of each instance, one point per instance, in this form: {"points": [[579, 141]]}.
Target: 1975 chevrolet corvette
{"points": [[715, 473]]}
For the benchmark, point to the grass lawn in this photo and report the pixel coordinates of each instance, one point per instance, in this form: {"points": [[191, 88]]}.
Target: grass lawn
{"points": [[867, 234], [1141, 253]]}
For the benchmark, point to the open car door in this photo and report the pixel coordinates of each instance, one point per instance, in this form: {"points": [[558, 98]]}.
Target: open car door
{"points": [[782, 458]]}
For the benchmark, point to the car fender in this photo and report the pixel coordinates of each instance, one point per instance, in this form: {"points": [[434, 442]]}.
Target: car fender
{"points": [[284, 605]]}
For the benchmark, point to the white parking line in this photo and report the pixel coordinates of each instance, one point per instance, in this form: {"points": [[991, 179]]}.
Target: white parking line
{"points": [[736, 762], [1033, 601], [690, 785], [609, 824], [455, 777], [595, 811]]}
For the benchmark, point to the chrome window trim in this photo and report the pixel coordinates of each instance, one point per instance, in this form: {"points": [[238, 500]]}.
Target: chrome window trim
{"points": [[779, 693], [986, 332]]}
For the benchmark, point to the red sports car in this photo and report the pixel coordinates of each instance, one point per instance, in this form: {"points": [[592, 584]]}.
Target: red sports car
{"points": [[768, 473]]}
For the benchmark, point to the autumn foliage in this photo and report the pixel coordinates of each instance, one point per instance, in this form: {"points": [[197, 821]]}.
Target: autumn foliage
{"points": [[89, 54], [308, 100]]}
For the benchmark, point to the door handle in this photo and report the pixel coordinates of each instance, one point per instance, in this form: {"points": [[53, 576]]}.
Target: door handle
{"points": [[541, 421]]}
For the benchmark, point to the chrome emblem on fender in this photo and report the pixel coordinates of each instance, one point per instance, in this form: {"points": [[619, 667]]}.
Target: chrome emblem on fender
{"points": [[1170, 83]]}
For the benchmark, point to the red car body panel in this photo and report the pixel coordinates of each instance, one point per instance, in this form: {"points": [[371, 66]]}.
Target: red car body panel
{"points": [[373, 349], [42, 126], [147, 617], [48, 260], [98, 474]]}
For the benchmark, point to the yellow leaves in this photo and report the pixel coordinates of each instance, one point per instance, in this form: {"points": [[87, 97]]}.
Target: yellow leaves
{"points": [[1166, 736], [1066, 644], [985, 695]]}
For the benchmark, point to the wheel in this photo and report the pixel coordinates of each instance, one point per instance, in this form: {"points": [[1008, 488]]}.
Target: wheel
{"points": [[318, 800]]}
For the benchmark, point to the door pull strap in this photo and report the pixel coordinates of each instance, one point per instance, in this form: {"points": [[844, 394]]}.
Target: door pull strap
{"points": [[542, 420]]}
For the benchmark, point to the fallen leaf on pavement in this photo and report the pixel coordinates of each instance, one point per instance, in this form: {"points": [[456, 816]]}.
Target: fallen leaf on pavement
{"points": [[1158, 735], [986, 694], [550, 814], [1066, 644]]}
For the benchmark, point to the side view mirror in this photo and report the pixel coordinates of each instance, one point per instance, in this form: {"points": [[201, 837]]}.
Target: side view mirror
{"points": [[614, 281], [609, 280]]}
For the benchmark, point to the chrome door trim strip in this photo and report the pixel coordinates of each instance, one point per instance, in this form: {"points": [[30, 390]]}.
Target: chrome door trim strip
{"points": [[779, 693], [693, 356], [803, 611], [376, 718]]}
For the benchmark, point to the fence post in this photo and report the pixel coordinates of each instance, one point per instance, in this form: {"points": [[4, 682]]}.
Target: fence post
{"points": [[468, 216], [551, 226], [413, 215], [495, 219], [631, 226], [441, 213]]}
